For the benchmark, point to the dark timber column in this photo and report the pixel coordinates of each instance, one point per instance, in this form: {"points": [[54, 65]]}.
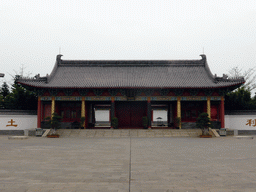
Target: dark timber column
{"points": [[149, 112], [39, 116], [222, 113], [112, 112]]}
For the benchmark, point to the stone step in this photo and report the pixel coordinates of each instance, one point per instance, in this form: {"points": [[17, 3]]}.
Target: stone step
{"points": [[122, 133]]}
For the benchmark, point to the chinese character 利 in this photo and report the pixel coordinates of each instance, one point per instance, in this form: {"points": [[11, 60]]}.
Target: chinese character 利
{"points": [[251, 122]]}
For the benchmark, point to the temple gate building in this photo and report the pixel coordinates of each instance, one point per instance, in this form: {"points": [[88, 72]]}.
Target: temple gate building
{"points": [[98, 90]]}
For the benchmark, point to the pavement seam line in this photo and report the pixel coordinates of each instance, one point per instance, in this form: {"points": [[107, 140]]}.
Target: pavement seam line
{"points": [[130, 164]]}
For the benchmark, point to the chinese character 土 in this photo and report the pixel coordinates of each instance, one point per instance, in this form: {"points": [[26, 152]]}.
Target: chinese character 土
{"points": [[11, 123], [251, 122]]}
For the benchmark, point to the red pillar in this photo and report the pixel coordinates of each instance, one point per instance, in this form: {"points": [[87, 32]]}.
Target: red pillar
{"points": [[112, 110], [39, 104], [222, 113], [85, 115], [149, 113]]}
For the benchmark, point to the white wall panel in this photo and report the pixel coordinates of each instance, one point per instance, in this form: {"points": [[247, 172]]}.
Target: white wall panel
{"points": [[17, 122], [240, 122]]}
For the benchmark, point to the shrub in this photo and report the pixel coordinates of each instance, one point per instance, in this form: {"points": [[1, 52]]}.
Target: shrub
{"points": [[145, 122], [54, 121], [203, 122], [114, 122]]}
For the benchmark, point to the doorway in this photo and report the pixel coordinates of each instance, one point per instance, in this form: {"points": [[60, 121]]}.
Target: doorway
{"points": [[130, 113]]}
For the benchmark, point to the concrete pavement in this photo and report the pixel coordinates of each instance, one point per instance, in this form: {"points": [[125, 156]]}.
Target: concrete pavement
{"points": [[127, 164]]}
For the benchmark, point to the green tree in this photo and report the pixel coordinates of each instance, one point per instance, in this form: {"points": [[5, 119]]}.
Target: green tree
{"points": [[54, 121], [20, 98], [203, 122], [5, 90], [4, 93], [240, 99]]}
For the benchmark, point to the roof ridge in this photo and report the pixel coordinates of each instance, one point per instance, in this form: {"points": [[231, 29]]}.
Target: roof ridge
{"points": [[60, 62]]}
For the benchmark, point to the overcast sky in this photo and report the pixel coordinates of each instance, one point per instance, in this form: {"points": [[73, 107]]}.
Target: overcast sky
{"points": [[33, 32]]}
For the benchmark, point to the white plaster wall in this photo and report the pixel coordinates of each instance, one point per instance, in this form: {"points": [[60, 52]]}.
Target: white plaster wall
{"points": [[240, 122], [22, 122]]}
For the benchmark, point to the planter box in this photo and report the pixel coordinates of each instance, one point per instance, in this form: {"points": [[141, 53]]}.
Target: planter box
{"points": [[53, 136], [205, 136]]}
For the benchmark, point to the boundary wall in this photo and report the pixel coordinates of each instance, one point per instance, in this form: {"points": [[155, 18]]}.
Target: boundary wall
{"points": [[15, 122], [242, 122]]}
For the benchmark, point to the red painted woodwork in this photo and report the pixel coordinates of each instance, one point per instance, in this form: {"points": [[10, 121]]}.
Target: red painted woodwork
{"points": [[191, 110], [201, 93], [215, 93], [214, 112], [186, 93], [130, 114], [70, 111], [156, 93], [47, 93], [86, 116], [61, 93], [171, 93], [47, 110], [91, 93], [222, 114], [119, 94], [75, 93], [105, 93], [39, 116]]}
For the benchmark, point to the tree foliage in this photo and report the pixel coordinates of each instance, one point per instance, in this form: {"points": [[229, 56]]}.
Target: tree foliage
{"points": [[240, 99], [203, 122], [17, 97], [54, 121]]}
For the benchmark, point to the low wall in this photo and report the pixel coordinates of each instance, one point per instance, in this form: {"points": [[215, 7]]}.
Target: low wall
{"points": [[242, 121], [15, 122]]}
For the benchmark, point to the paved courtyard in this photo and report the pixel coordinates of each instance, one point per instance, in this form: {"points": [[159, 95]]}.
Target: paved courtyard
{"points": [[127, 164]]}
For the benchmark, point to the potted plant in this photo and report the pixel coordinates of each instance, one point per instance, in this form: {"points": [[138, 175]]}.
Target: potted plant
{"points": [[177, 122], [114, 122], [145, 122], [82, 120], [203, 122], [55, 124]]}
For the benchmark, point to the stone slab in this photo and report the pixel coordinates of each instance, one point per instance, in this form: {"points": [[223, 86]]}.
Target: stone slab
{"points": [[18, 137], [244, 137], [12, 132]]}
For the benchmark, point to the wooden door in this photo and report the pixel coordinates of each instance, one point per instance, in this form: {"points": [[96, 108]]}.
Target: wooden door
{"points": [[130, 114]]}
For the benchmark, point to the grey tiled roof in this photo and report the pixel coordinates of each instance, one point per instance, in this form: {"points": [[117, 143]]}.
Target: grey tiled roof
{"points": [[131, 74]]}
